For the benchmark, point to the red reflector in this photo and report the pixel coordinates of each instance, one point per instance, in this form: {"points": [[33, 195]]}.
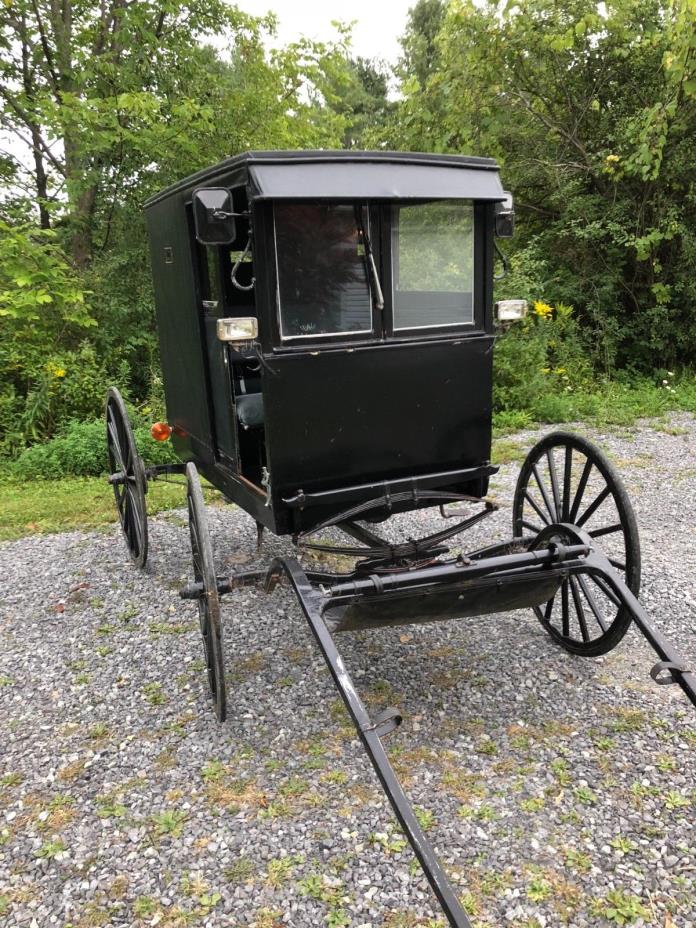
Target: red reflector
{"points": [[160, 431]]}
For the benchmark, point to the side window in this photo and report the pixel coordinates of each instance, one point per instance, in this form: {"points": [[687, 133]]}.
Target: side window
{"points": [[433, 264], [213, 279], [323, 282]]}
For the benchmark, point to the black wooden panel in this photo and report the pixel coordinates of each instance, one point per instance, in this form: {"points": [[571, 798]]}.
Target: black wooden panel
{"points": [[345, 416], [177, 302]]}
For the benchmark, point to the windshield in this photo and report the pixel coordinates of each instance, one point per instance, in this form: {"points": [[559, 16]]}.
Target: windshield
{"points": [[433, 255], [323, 277]]}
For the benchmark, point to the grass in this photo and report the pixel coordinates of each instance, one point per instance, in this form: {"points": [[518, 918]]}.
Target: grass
{"points": [[71, 504], [610, 403]]}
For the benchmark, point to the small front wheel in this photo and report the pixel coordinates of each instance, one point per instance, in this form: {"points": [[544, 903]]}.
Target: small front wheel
{"points": [[208, 598], [127, 477], [567, 479]]}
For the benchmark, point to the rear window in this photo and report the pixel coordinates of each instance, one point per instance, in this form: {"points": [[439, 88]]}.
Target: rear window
{"points": [[323, 282]]}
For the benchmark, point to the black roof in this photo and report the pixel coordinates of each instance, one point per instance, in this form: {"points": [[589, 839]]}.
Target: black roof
{"points": [[379, 175]]}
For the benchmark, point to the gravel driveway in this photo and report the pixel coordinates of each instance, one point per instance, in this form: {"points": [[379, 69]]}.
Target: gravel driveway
{"points": [[557, 790]]}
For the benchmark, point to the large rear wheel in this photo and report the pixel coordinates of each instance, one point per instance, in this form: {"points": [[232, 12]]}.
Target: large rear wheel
{"points": [[127, 477], [567, 479], [209, 598]]}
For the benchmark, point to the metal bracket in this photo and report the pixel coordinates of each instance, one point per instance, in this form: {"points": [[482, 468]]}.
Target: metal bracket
{"points": [[385, 723], [673, 669]]}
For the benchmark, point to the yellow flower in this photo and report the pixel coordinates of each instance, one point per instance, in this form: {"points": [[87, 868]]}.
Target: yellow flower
{"points": [[542, 309], [58, 372]]}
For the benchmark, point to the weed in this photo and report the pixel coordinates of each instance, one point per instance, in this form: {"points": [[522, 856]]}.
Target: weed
{"points": [[388, 842], [577, 860], [52, 849], [426, 819], [585, 795], [11, 779], [169, 822], [559, 768], [665, 763], [625, 845], [213, 771], [535, 804], [675, 800], [539, 889], [321, 888], [626, 720], [144, 906], [98, 731], [154, 695], [242, 870], [620, 908], [279, 871]]}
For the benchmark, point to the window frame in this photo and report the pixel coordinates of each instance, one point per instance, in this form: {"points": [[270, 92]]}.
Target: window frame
{"points": [[374, 333], [443, 330]]}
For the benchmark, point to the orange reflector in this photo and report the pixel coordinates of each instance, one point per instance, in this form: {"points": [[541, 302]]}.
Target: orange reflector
{"points": [[160, 431]]}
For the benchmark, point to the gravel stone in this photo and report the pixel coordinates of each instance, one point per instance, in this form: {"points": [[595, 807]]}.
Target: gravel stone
{"points": [[551, 781]]}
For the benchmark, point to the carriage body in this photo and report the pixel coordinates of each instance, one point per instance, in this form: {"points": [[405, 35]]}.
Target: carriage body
{"points": [[338, 398]]}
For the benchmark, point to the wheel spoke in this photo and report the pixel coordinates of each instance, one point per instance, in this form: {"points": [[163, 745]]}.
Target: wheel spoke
{"points": [[606, 589], [554, 484], [565, 615], [593, 507], [115, 445], [582, 622], [544, 494], [536, 507], [620, 565], [531, 526], [592, 602], [606, 530], [582, 483], [567, 476]]}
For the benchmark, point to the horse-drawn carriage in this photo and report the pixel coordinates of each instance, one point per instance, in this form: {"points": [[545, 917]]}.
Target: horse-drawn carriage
{"points": [[326, 324]]}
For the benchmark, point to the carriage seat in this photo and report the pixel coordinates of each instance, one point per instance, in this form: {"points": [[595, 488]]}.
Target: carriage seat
{"points": [[250, 410]]}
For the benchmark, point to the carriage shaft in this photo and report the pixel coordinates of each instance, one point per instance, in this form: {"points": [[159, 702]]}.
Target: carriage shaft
{"points": [[370, 732], [598, 564]]}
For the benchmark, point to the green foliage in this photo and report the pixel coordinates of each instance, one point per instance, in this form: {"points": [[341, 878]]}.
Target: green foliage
{"points": [[540, 362], [80, 451], [139, 99], [590, 110]]}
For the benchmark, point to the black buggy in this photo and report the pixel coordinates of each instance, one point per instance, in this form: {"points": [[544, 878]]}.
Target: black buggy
{"points": [[326, 324]]}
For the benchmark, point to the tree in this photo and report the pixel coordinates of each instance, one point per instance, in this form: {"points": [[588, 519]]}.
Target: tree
{"points": [[591, 109], [100, 92]]}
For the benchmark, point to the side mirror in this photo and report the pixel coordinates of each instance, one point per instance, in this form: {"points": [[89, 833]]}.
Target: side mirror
{"points": [[505, 217], [213, 216]]}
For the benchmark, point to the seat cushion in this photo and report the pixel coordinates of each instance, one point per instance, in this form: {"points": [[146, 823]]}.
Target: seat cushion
{"points": [[250, 410]]}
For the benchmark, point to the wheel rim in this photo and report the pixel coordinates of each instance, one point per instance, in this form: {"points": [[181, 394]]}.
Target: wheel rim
{"points": [[566, 479], [126, 464], [209, 602]]}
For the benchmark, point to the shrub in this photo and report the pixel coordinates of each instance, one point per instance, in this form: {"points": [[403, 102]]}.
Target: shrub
{"points": [[80, 450]]}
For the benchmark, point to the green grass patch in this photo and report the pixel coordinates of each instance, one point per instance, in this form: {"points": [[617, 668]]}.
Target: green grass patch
{"points": [[73, 503], [617, 402]]}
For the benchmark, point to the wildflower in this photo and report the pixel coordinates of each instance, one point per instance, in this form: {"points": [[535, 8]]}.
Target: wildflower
{"points": [[59, 372], [612, 159], [542, 309]]}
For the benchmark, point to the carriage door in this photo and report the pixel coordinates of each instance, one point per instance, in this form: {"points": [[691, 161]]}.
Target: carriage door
{"points": [[213, 307]]}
